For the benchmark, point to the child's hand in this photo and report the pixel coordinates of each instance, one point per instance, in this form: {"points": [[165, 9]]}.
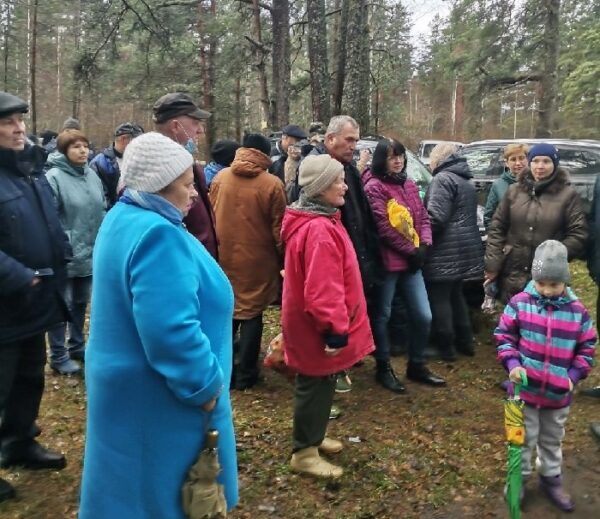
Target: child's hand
{"points": [[515, 374], [571, 386]]}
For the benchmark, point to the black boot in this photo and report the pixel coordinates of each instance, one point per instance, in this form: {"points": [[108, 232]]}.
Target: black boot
{"points": [[6, 490], [30, 455], [420, 373], [387, 378]]}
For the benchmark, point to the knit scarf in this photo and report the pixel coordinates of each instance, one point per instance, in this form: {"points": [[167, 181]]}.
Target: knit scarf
{"points": [[313, 205], [153, 202], [398, 178]]}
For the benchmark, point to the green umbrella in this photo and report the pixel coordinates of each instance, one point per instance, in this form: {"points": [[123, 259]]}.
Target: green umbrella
{"points": [[514, 423]]}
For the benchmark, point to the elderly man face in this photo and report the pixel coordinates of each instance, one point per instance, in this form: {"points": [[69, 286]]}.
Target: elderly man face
{"points": [[12, 132], [341, 145]]}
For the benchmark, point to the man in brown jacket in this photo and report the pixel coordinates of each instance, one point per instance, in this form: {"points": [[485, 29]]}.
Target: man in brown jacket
{"points": [[249, 204]]}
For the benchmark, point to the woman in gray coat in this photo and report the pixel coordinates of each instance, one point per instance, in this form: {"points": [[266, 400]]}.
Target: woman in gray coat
{"points": [[81, 206]]}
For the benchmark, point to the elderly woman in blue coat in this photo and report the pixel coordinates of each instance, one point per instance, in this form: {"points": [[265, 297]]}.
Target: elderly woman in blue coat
{"points": [[158, 361]]}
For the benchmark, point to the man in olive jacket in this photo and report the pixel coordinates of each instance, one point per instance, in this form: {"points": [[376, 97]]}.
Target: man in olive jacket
{"points": [[33, 251]]}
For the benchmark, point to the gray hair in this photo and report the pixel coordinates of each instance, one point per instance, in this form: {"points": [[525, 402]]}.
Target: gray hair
{"points": [[337, 123], [440, 152]]}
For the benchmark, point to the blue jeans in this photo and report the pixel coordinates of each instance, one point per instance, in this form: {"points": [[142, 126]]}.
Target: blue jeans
{"points": [[412, 290], [77, 296]]}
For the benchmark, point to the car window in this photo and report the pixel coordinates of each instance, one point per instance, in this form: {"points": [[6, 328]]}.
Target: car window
{"points": [[417, 172], [579, 162], [427, 150], [486, 161]]}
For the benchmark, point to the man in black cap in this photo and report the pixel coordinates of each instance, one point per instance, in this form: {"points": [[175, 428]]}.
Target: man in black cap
{"points": [[107, 164], [290, 136], [33, 252], [177, 117]]}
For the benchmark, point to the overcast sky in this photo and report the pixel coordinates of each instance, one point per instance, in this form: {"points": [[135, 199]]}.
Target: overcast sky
{"points": [[422, 12]]}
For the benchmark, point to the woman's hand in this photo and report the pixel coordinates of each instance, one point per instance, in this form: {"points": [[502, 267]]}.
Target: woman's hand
{"points": [[332, 352], [571, 386], [210, 405]]}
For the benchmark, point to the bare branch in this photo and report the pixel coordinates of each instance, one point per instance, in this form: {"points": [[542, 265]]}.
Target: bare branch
{"points": [[264, 6]]}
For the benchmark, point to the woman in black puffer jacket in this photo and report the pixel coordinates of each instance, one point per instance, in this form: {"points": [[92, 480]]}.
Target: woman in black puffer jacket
{"points": [[457, 251]]}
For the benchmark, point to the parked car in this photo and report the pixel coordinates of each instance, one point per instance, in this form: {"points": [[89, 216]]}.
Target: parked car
{"points": [[425, 147], [415, 169], [581, 158]]}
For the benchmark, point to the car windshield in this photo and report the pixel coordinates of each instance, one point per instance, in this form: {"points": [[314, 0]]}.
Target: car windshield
{"points": [[484, 160], [427, 149]]}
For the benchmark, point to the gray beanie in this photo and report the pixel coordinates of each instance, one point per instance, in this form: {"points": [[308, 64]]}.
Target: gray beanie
{"points": [[550, 262], [317, 173], [152, 161]]}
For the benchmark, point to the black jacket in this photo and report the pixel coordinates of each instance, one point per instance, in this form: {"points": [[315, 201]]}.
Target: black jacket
{"points": [[451, 201], [106, 166], [358, 220], [31, 238]]}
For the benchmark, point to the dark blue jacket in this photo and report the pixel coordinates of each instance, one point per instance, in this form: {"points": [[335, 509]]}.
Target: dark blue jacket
{"points": [[107, 168], [31, 239]]}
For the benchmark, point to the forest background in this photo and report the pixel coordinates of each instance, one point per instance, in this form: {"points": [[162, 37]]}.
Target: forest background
{"points": [[484, 69]]}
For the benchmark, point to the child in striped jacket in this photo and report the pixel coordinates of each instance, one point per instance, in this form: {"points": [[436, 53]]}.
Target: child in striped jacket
{"points": [[546, 333]]}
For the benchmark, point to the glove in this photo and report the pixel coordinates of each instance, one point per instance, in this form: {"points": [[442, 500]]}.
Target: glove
{"points": [[333, 341], [417, 259]]}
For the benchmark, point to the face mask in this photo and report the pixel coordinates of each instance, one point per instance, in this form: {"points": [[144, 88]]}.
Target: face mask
{"points": [[189, 145]]}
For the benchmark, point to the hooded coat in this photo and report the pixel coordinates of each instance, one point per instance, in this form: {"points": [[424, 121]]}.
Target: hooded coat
{"points": [[451, 201], [31, 238], [527, 216], [322, 295], [81, 203], [249, 203]]}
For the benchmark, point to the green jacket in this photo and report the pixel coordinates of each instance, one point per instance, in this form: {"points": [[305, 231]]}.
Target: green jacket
{"points": [[81, 207], [497, 192]]}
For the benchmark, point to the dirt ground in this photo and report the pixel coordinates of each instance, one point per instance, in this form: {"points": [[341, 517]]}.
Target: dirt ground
{"points": [[429, 454]]}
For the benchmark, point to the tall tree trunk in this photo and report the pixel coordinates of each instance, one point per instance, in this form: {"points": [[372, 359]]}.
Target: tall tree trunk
{"points": [[260, 52], [281, 63], [76, 101], [208, 46], [32, 65], [238, 107], [549, 83], [340, 59], [356, 96], [317, 56], [7, 8]]}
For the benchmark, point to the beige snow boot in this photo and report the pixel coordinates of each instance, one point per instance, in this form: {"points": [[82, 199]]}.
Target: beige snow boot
{"points": [[308, 461], [331, 446]]}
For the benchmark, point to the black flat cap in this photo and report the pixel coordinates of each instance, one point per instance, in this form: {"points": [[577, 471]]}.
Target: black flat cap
{"points": [[10, 104], [293, 130], [129, 129], [175, 104]]}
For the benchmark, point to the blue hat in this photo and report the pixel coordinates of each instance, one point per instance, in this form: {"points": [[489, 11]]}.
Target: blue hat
{"points": [[543, 149]]}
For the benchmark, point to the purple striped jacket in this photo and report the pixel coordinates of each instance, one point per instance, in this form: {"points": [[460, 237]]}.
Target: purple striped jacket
{"points": [[553, 339]]}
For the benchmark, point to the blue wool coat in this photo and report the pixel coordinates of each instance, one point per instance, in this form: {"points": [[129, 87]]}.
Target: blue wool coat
{"points": [[159, 348]]}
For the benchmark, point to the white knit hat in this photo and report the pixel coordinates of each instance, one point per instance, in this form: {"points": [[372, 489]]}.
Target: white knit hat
{"points": [[317, 173], [152, 161]]}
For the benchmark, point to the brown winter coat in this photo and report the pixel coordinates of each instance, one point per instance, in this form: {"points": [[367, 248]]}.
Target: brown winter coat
{"points": [[525, 218], [249, 204]]}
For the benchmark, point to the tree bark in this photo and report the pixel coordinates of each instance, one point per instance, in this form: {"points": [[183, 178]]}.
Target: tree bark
{"points": [[32, 65], [549, 82], [280, 14], [339, 57], [76, 102], [208, 45], [356, 96], [260, 52], [317, 56]]}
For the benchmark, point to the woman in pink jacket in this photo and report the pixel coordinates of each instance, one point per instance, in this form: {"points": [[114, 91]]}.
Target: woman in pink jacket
{"points": [[405, 234], [324, 313]]}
